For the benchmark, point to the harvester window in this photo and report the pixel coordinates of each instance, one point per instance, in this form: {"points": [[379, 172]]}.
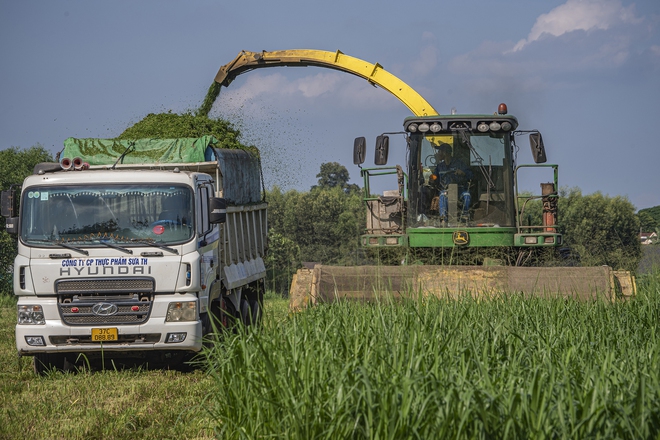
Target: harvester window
{"points": [[481, 193]]}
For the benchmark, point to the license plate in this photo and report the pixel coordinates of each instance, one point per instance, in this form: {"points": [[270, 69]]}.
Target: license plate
{"points": [[104, 334]]}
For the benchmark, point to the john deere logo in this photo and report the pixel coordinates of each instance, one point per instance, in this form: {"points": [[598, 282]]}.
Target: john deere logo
{"points": [[460, 238]]}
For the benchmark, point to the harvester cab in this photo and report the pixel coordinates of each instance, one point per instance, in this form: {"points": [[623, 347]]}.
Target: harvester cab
{"points": [[459, 187]]}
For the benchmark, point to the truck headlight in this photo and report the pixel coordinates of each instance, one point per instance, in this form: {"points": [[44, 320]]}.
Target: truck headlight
{"points": [[181, 311], [31, 315]]}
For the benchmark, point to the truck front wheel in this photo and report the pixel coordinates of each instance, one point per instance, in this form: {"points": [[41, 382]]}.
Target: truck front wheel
{"points": [[45, 362]]}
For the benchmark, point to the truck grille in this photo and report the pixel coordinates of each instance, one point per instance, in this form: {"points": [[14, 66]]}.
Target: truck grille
{"points": [[105, 301], [127, 312], [104, 286]]}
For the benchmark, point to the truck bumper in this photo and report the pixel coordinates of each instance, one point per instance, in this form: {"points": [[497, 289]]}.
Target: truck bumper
{"points": [[153, 335]]}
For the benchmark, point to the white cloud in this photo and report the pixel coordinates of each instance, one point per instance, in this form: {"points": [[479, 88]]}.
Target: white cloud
{"points": [[316, 85], [585, 15], [328, 89], [655, 50], [426, 62], [255, 85], [574, 43]]}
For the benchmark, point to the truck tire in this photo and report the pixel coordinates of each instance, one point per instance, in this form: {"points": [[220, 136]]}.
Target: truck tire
{"points": [[227, 315], [255, 298], [255, 312], [245, 312], [45, 362]]}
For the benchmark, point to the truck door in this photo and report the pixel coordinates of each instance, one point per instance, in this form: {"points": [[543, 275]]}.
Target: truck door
{"points": [[207, 241]]}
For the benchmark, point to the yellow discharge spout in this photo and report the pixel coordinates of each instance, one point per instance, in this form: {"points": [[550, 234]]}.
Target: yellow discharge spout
{"points": [[374, 73]]}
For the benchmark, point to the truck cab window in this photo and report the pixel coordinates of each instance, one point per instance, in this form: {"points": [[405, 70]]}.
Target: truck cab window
{"points": [[118, 213], [203, 224]]}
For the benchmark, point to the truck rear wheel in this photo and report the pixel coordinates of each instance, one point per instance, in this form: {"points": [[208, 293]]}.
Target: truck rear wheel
{"points": [[246, 314], [255, 312], [228, 314], [45, 362], [255, 299]]}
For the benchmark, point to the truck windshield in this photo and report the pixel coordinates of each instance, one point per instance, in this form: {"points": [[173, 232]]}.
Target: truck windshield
{"points": [[121, 214], [475, 171]]}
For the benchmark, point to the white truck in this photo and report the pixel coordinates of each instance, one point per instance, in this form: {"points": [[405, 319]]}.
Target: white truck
{"points": [[135, 249]]}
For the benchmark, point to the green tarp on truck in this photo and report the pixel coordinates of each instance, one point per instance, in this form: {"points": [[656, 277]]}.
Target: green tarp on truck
{"points": [[147, 151]]}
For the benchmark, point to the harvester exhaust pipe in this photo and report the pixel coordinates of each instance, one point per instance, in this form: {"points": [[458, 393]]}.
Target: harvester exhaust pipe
{"points": [[549, 198], [66, 163], [77, 163]]}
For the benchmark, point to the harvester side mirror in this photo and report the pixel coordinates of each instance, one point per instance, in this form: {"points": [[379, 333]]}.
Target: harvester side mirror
{"points": [[538, 150], [359, 150], [382, 149], [217, 210]]}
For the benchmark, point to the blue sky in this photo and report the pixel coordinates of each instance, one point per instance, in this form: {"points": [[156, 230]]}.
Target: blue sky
{"points": [[586, 73]]}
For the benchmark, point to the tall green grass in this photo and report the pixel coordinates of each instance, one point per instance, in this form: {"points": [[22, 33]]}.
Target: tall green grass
{"points": [[506, 368]]}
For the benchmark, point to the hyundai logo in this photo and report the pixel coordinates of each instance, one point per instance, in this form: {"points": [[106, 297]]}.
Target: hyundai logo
{"points": [[104, 309]]}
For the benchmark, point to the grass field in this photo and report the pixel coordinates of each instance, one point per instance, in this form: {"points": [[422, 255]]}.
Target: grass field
{"points": [[508, 368]]}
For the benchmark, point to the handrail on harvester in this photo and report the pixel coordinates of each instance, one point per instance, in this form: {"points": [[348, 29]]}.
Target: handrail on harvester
{"points": [[374, 73]]}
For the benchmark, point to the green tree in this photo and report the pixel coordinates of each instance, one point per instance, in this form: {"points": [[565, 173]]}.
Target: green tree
{"points": [[602, 229], [322, 225], [15, 165], [647, 222], [653, 211], [282, 261], [333, 174]]}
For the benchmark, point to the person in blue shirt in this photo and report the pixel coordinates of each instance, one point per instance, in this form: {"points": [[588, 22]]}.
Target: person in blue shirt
{"points": [[450, 170]]}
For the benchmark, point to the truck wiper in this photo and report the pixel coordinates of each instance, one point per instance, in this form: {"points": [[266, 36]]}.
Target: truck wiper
{"points": [[73, 248], [161, 246], [58, 243], [114, 246]]}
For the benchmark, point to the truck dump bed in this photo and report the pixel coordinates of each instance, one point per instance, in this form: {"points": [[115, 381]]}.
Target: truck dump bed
{"points": [[237, 172]]}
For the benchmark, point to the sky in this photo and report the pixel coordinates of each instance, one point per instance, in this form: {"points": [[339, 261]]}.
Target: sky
{"points": [[585, 73]]}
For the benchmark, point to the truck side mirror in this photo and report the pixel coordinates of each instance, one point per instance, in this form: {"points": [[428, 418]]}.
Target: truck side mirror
{"points": [[7, 206], [8, 210], [217, 210], [11, 225], [359, 150], [382, 149], [538, 150]]}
